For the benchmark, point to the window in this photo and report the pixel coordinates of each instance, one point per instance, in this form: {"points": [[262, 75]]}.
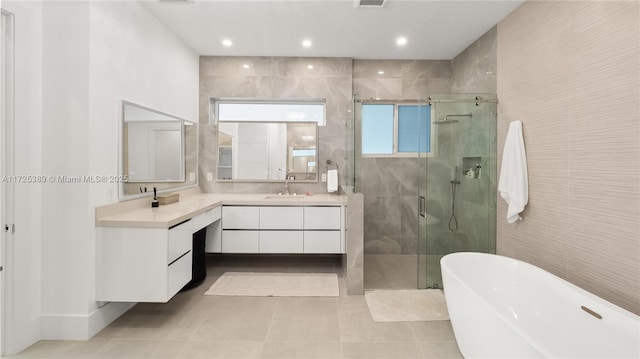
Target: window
{"points": [[268, 110], [395, 130]]}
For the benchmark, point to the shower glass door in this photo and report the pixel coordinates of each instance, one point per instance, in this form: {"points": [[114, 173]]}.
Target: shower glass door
{"points": [[457, 182]]}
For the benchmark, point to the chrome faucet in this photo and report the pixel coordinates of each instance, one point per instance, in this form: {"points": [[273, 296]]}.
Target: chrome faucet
{"points": [[286, 186]]}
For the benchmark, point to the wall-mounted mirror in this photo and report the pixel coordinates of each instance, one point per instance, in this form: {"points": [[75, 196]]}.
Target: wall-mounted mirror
{"points": [[268, 140], [158, 150]]}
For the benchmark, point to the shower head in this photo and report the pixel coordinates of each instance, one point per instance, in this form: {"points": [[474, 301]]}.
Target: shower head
{"points": [[446, 120]]}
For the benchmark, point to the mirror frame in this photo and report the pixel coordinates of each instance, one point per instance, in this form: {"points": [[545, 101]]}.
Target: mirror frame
{"points": [[168, 185]]}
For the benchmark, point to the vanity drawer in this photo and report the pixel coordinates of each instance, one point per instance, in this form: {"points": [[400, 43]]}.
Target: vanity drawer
{"points": [[204, 219], [281, 242], [179, 274], [281, 217], [240, 241], [322, 242], [322, 218], [180, 240], [240, 217]]}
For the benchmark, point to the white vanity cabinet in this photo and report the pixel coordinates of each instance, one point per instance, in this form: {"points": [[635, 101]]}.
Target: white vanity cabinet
{"points": [[240, 225], [323, 230], [143, 264], [282, 229]]}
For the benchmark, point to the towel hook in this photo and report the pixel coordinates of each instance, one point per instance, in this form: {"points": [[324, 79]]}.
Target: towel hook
{"points": [[331, 165]]}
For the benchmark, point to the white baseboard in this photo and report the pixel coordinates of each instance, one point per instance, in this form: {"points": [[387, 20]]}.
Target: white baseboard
{"points": [[81, 327]]}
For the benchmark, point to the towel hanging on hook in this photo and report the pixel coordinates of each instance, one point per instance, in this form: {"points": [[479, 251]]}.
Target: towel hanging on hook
{"points": [[513, 184]]}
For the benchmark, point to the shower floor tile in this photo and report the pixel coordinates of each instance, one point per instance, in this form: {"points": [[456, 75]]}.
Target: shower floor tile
{"points": [[389, 271]]}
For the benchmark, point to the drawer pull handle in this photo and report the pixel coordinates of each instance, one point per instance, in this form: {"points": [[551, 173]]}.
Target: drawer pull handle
{"points": [[177, 259], [591, 312]]}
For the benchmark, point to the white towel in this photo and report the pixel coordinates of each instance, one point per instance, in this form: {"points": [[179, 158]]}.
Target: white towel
{"points": [[513, 184], [332, 180]]}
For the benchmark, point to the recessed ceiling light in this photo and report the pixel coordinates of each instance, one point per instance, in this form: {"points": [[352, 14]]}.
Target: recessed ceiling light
{"points": [[246, 66], [380, 72], [401, 41], [306, 43], [309, 67], [227, 42]]}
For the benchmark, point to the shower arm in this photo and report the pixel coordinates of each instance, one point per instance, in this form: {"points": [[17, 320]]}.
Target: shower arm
{"points": [[446, 117]]}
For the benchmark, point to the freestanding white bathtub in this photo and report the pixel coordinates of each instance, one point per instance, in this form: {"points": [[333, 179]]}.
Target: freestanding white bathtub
{"points": [[505, 308]]}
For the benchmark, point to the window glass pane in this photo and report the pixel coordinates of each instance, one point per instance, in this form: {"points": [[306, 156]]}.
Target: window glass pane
{"points": [[414, 129], [271, 112], [377, 129]]}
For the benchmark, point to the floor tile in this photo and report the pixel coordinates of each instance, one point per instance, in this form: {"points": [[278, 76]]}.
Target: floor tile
{"points": [[305, 330], [140, 349], [442, 350], [356, 324], [162, 326], [192, 325], [68, 349], [433, 331], [221, 349], [381, 350], [296, 350]]}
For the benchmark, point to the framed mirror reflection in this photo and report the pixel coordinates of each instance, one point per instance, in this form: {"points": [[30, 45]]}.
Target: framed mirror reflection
{"points": [[268, 140]]}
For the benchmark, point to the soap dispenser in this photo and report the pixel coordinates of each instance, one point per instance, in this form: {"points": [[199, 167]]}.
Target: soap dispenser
{"points": [[155, 202]]}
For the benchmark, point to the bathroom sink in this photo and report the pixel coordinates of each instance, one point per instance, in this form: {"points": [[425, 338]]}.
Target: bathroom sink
{"points": [[285, 197]]}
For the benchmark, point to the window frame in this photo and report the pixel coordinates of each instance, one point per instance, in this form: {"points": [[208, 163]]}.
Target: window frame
{"points": [[396, 154]]}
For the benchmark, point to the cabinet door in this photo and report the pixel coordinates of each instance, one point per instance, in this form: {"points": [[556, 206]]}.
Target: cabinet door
{"points": [[322, 242], [178, 274], [240, 241], [240, 217], [281, 242], [322, 218], [180, 240], [281, 217]]}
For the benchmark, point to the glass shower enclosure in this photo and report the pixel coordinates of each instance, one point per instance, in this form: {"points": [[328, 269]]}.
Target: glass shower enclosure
{"points": [[419, 207], [457, 182]]}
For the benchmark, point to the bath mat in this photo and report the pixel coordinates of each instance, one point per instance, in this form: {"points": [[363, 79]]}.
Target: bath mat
{"points": [[407, 305], [276, 285]]}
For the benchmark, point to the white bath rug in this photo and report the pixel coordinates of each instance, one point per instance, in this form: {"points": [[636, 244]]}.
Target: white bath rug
{"points": [[276, 285], [407, 305]]}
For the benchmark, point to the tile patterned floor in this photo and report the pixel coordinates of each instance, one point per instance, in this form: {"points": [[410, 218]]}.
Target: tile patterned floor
{"points": [[193, 325], [388, 271]]}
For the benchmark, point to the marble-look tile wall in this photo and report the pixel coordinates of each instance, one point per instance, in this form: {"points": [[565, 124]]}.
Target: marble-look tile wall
{"points": [[390, 185], [276, 77], [475, 68], [353, 260]]}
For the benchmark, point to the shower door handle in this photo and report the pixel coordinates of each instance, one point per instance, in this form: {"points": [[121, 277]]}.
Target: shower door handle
{"points": [[423, 208]]}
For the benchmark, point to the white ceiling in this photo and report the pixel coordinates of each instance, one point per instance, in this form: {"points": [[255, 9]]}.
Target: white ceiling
{"points": [[435, 30]]}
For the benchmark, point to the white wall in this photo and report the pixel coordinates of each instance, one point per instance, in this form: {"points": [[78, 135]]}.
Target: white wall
{"points": [[22, 268], [93, 55]]}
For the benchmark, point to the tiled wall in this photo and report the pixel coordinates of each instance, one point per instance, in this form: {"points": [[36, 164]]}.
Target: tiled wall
{"points": [[570, 71], [390, 185], [474, 69], [276, 77]]}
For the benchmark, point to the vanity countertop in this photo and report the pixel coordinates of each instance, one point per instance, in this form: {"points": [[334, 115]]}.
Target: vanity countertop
{"points": [[140, 213]]}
